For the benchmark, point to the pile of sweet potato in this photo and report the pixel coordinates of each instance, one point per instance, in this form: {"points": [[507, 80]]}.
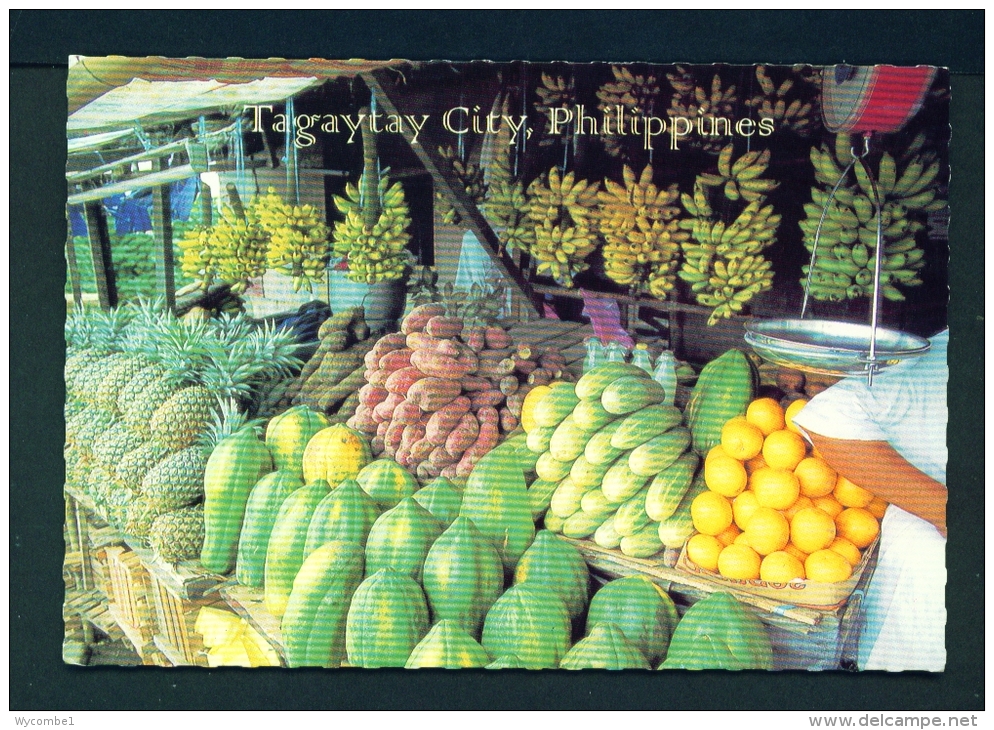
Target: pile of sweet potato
{"points": [[438, 395]]}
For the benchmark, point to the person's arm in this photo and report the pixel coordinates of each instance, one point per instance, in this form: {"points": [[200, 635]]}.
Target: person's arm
{"points": [[876, 466]]}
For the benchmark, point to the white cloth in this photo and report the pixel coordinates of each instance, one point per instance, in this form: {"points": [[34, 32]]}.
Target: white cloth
{"points": [[904, 607]]}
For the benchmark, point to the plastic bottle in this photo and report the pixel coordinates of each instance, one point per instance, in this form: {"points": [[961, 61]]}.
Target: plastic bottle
{"points": [[595, 354], [616, 352], [665, 375], [640, 357]]}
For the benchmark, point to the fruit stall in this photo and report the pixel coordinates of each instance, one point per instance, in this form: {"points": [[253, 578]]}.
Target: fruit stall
{"points": [[449, 364]]}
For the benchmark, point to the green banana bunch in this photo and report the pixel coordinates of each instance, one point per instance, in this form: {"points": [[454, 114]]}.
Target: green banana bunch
{"points": [[723, 262], [642, 237], [772, 102], [470, 177], [635, 93], [561, 210], [692, 101], [505, 205], [375, 252], [298, 237], [741, 179], [846, 256]]}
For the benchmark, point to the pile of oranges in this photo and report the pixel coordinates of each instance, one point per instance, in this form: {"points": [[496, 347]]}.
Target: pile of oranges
{"points": [[775, 512]]}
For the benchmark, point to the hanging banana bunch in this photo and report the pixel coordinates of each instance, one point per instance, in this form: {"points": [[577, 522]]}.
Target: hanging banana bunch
{"points": [[636, 94], [801, 114], [505, 205], [561, 210], [469, 176], [197, 260], [846, 254], [723, 259], [694, 102], [298, 238], [232, 251], [553, 93], [642, 237], [743, 179]]}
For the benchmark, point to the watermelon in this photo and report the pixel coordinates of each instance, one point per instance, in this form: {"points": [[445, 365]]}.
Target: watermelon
{"points": [[642, 610], [347, 513], [387, 482], [718, 632], [447, 646], [530, 622], [387, 619], [558, 566], [606, 647], [462, 576], [400, 539]]}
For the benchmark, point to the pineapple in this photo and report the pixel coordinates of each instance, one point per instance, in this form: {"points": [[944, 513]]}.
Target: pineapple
{"points": [[111, 446], [90, 337], [140, 515], [138, 462], [183, 418], [177, 480], [179, 534], [118, 376], [87, 426]]}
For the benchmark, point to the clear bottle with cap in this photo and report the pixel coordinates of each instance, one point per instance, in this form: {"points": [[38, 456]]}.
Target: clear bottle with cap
{"points": [[641, 357], [595, 354], [665, 374], [616, 352]]}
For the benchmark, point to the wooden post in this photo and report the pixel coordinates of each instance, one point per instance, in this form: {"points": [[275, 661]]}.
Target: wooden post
{"points": [[103, 264], [454, 193], [73, 264], [206, 205], [162, 230]]}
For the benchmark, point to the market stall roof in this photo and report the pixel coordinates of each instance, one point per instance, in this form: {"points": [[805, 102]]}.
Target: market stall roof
{"points": [[117, 91]]}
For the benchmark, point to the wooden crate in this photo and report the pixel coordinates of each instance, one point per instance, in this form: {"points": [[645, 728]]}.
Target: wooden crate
{"points": [[130, 601], [175, 617]]}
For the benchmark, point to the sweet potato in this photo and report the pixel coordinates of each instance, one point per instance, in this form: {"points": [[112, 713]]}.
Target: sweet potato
{"points": [[372, 396], [485, 441], [420, 450], [412, 434], [523, 366], [463, 435], [541, 376], [363, 421], [448, 472], [509, 385], [552, 360], [384, 411], [441, 458], [400, 381], [395, 360], [426, 471], [497, 338], [377, 377], [430, 394], [422, 341], [417, 318], [388, 342], [516, 400], [376, 444], [403, 457], [407, 413], [508, 421], [482, 398], [442, 421], [471, 383], [395, 431], [438, 366], [442, 326], [382, 428], [475, 338]]}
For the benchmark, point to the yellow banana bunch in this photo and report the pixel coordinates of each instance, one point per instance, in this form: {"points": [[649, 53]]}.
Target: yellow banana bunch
{"points": [[374, 252], [554, 93], [741, 179], [799, 115], [470, 177], [505, 205], [232, 251], [692, 101], [298, 237], [846, 254], [196, 256], [561, 210], [723, 262], [635, 93], [642, 238]]}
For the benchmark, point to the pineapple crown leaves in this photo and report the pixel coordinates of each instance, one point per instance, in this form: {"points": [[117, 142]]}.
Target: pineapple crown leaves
{"points": [[235, 367], [226, 421]]}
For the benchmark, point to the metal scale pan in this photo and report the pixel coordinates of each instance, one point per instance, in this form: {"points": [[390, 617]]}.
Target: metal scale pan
{"points": [[866, 100]]}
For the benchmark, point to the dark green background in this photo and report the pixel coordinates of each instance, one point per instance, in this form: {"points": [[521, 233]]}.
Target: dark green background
{"points": [[40, 43]]}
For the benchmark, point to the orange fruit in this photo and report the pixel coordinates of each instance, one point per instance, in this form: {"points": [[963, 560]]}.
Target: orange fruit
{"points": [[784, 450], [728, 535], [801, 503], [849, 495], [792, 410], [817, 478], [775, 488], [812, 529], [828, 505], [781, 567], [796, 552], [846, 549], [711, 513], [739, 562], [725, 475], [703, 551], [716, 450], [767, 531], [755, 463], [827, 566], [742, 508], [858, 526], [740, 439], [877, 508], [766, 414]]}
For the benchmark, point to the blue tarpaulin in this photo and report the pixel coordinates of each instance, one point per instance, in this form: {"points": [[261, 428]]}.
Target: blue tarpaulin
{"points": [[133, 213]]}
